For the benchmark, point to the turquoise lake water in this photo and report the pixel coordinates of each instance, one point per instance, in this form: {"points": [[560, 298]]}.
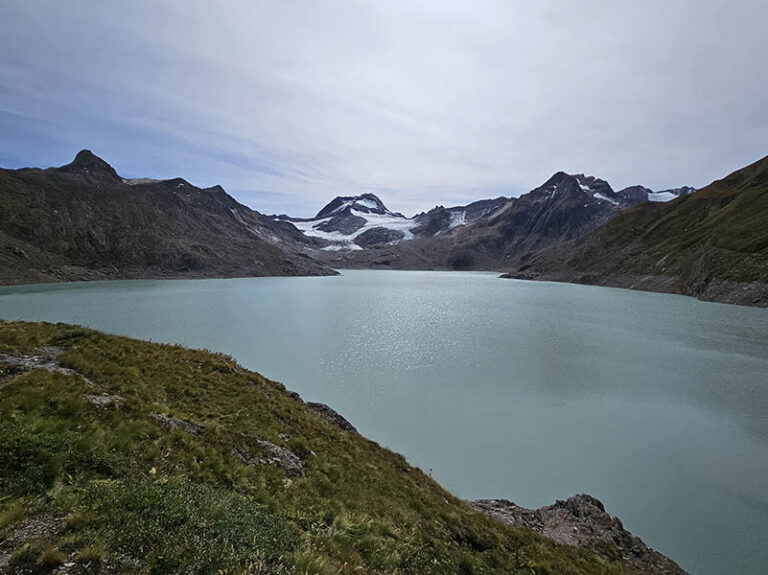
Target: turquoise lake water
{"points": [[656, 404]]}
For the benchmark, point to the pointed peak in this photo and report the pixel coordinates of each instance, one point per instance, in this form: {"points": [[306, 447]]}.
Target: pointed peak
{"points": [[364, 203], [86, 156], [556, 179], [576, 186], [89, 164]]}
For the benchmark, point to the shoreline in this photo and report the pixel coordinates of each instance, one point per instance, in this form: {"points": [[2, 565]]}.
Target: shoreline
{"points": [[752, 294]]}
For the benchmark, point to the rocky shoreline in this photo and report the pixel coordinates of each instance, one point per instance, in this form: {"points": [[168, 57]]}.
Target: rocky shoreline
{"points": [[754, 294]]}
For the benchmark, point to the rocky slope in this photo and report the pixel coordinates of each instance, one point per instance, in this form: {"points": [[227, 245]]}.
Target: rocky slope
{"points": [[83, 221], [122, 456], [712, 245], [581, 521]]}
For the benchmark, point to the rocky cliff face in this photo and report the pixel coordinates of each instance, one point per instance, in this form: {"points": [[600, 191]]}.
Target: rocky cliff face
{"points": [[563, 208], [83, 221], [583, 522]]}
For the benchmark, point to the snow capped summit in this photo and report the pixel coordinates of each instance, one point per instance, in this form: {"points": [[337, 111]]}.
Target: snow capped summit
{"points": [[578, 187], [364, 203], [565, 207], [359, 222], [354, 222]]}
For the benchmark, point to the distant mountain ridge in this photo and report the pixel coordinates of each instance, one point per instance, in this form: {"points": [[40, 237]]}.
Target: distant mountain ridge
{"points": [[638, 194], [712, 245], [358, 223], [83, 221], [487, 234]]}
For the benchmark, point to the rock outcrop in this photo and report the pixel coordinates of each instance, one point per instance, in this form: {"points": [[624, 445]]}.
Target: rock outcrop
{"points": [[331, 416], [582, 521]]}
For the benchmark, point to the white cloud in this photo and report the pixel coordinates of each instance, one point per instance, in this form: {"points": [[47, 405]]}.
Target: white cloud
{"points": [[424, 102]]}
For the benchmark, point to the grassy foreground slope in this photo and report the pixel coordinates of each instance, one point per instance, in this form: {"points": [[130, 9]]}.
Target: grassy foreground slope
{"points": [[124, 456], [712, 244]]}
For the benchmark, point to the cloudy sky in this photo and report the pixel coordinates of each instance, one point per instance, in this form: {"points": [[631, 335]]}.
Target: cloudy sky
{"points": [[289, 103]]}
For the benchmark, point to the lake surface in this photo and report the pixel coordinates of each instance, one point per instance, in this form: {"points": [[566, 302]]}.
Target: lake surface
{"points": [[656, 404]]}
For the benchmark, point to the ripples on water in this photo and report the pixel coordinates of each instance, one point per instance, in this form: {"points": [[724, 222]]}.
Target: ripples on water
{"points": [[656, 404]]}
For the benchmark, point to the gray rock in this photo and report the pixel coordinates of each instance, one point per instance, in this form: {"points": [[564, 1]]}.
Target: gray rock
{"points": [[103, 400], [378, 237], [331, 416], [345, 223], [282, 457], [294, 395], [581, 521], [14, 364], [175, 423]]}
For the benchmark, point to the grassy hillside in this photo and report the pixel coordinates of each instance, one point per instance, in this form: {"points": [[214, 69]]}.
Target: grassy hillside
{"points": [[124, 456], [712, 244]]}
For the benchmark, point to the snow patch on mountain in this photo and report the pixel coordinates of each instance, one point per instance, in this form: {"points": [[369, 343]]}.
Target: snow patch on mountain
{"points": [[140, 181], [661, 196], [399, 223], [458, 218], [605, 198]]}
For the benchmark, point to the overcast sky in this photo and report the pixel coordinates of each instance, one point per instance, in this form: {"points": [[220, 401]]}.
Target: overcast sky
{"points": [[287, 104]]}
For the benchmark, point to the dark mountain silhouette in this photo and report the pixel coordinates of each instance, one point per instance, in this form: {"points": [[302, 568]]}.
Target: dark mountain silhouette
{"points": [[83, 221]]}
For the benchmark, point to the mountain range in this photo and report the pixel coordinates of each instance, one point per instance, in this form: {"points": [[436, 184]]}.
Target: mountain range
{"points": [[84, 221], [712, 245], [483, 235], [360, 222]]}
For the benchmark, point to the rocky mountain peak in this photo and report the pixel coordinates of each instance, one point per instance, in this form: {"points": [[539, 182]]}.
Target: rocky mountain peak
{"points": [[575, 186], [364, 203], [89, 164], [556, 180], [635, 194]]}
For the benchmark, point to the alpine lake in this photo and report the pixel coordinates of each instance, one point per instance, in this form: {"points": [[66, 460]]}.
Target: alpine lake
{"points": [[655, 404]]}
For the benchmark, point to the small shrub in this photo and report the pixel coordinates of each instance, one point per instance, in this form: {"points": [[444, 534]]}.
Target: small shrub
{"points": [[91, 554], [51, 558], [12, 514]]}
